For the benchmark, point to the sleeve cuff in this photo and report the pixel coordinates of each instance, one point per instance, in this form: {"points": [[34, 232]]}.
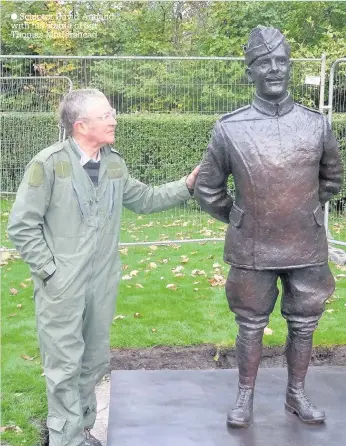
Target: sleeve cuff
{"points": [[46, 271], [188, 193]]}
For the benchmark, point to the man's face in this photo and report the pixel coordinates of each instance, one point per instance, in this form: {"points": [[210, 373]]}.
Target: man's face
{"points": [[270, 74], [98, 123]]}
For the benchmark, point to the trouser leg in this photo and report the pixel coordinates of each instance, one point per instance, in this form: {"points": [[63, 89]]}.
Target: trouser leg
{"points": [[59, 324], [248, 353], [305, 292], [251, 296], [95, 364]]}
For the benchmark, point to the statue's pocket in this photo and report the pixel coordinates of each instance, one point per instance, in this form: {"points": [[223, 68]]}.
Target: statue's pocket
{"points": [[319, 216], [236, 216]]}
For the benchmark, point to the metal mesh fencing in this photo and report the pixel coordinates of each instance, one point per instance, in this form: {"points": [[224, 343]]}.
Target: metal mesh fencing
{"points": [[166, 107], [337, 118], [28, 121]]}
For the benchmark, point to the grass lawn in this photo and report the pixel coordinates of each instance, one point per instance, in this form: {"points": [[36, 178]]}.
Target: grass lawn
{"points": [[166, 297]]}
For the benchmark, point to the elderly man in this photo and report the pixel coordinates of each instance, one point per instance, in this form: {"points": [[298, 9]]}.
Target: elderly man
{"points": [[65, 222], [286, 165]]}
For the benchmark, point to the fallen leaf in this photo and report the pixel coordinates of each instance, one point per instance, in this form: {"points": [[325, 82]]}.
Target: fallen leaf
{"points": [[196, 283], [153, 247], [11, 427], [152, 265], [124, 251], [134, 273], [137, 315], [184, 259], [161, 278], [198, 272], [139, 217], [330, 310], [139, 285], [19, 306], [217, 355], [171, 286], [340, 276], [217, 280], [164, 261], [125, 267], [195, 289], [178, 269], [216, 265], [127, 277], [268, 331], [28, 358], [193, 253], [23, 285], [179, 275], [12, 315], [119, 317], [341, 267], [13, 291], [28, 280], [153, 330]]}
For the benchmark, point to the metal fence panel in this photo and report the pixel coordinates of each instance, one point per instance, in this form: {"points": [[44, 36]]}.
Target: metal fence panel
{"points": [[337, 118]]}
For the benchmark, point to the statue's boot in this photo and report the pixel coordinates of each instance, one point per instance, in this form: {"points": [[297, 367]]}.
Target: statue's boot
{"points": [[241, 414], [248, 351], [298, 354]]}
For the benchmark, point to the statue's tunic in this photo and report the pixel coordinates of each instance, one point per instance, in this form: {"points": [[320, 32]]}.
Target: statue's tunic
{"points": [[285, 163]]}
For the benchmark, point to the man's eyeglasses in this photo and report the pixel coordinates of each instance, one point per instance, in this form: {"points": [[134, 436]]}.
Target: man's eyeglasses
{"points": [[111, 114]]}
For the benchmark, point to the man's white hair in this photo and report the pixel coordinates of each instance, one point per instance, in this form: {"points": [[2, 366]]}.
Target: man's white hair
{"points": [[74, 104]]}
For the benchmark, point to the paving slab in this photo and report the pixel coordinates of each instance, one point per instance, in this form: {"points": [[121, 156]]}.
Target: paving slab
{"points": [[189, 407]]}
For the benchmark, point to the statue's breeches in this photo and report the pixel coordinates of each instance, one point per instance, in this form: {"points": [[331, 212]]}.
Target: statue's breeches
{"points": [[252, 295]]}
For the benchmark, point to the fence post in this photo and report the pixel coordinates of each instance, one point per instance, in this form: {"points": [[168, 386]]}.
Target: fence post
{"points": [[322, 108]]}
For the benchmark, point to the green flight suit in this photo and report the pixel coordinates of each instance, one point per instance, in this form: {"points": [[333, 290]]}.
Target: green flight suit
{"points": [[62, 224]]}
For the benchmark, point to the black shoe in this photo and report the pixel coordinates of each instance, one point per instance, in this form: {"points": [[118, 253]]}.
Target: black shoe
{"points": [[90, 440], [298, 403], [241, 415]]}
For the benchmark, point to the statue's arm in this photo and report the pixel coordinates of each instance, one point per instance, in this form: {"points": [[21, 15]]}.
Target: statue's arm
{"points": [[211, 185], [331, 169]]}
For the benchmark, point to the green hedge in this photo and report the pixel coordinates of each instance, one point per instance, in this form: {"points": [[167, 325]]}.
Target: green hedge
{"points": [[156, 147]]}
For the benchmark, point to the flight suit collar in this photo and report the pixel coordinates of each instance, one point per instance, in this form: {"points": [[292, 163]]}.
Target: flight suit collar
{"points": [[271, 108]]}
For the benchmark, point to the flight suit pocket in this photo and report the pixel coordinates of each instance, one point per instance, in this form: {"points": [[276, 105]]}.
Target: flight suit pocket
{"points": [[236, 216], [55, 423], [52, 285], [319, 216], [56, 433], [80, 201]]}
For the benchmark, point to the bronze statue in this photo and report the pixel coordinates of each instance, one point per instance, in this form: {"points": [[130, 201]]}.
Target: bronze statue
{"points": [[286, 165]]}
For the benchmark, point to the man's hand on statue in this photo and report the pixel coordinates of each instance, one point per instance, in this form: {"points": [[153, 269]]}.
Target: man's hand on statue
{"points": [[191, 179]]}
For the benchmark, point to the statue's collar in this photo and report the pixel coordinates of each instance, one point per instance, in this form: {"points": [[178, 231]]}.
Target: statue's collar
{"points": [[272, 108]]}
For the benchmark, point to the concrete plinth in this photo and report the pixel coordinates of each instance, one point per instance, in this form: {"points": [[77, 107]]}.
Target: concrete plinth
{"points": [[188, 408]]}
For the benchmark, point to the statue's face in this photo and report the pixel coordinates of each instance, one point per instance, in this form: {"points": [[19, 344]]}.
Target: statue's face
{"points": [[270, 74]]}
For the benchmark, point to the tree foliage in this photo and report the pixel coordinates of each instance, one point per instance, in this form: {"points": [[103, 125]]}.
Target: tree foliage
{"points": [[208, 28]]}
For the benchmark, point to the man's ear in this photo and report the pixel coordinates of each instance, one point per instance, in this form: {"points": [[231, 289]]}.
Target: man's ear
{"points": [[79, 127], [249, 75]]}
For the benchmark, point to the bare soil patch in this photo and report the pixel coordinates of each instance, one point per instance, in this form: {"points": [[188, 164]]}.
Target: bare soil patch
{"points": [[204, 357]]}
